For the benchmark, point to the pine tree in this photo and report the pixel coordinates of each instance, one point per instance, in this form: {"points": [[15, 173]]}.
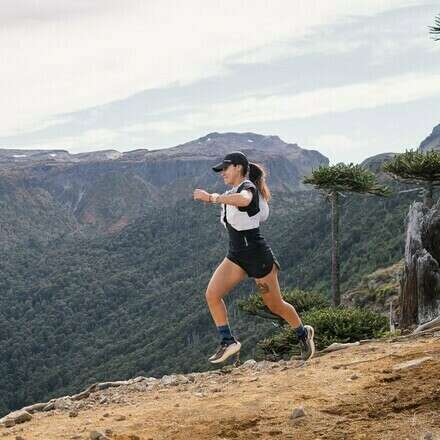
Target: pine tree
{"points": [[334, 181]]}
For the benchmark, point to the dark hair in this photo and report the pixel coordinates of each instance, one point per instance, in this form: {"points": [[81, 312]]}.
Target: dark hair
{"points": [[257, 175]]}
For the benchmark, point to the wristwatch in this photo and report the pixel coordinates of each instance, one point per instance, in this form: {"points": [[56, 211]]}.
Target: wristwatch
{"points": [[213, 197]]}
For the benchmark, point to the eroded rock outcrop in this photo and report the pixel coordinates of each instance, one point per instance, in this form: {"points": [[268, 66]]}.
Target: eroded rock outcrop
{"points": [[420, 285]]}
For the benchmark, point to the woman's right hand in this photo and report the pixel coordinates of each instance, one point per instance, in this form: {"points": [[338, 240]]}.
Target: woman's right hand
{"points": [[201, 194]]}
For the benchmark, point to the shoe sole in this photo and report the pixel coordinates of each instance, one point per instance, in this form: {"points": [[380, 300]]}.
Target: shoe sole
{"points": [[212, 357], [312, 343], [227, 353]]}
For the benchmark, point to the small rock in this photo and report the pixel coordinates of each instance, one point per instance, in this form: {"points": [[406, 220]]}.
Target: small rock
{"points": [[96, 435], [62, 403], [73, 413], [428, 436], [105, 414], [16, 417], [19, 437], [354, 376], [103, 400], [108, 431], [250, 363], [263, 365], [169, 380], [142, 386], [49, 407], [120, 418], [35, 407], [298, 412]]}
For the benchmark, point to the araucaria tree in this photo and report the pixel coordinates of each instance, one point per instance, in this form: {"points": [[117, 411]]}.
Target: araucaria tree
{"points": [[417, 167], [336, 180]]}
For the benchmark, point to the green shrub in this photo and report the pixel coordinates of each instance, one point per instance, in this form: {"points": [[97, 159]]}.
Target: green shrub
{"points": [[384, 291], [331, 325], [302, 301]]}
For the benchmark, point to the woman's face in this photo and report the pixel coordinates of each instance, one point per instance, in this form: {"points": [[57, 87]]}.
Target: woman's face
{"points": [[231, 174]]}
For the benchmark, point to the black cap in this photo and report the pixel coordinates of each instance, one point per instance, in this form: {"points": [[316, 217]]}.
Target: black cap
{"points": [[234, 158]]}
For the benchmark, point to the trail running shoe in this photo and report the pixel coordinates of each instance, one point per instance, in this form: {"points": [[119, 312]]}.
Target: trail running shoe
{"points": [[225, 350], [306, 343]]}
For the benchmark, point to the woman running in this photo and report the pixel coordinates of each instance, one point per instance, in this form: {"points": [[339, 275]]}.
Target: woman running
{"points": [[244, 206]]}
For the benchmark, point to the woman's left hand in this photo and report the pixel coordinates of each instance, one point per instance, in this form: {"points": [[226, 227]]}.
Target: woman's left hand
{"points": [[200, 194]]}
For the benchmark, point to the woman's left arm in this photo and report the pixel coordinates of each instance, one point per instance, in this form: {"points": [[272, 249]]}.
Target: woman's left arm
{"points": [[240, 199]]}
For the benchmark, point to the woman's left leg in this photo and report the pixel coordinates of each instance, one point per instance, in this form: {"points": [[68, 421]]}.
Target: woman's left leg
{"points": [[269, 288]]}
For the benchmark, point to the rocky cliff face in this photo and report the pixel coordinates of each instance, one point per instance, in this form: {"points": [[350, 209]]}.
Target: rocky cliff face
{"points": [[420, 301], [432, 142], [105, 190]]}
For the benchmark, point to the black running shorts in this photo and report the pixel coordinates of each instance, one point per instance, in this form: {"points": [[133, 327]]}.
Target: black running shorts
{"points": [[257, 261]]}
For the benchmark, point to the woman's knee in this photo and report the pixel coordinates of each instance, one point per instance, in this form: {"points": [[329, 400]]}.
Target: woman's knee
{"points": [[213, 295]]}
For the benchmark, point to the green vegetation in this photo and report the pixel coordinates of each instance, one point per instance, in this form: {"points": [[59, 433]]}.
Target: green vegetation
{"points": [[80, 310], [331, 324], [301, 300]]}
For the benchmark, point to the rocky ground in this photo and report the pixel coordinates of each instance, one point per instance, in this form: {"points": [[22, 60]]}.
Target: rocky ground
{"points": [[386, 389]]}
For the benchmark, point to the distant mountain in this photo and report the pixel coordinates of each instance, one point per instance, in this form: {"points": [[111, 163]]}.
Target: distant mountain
{"points": [[101, 192], [432, 142], [210, 146], [374, 164], [15, 157]]}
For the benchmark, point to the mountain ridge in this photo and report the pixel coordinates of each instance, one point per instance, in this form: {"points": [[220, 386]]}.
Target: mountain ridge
{"points": [[103, 192]]}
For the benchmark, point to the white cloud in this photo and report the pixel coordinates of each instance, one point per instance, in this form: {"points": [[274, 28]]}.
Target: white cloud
{"points": [[89, 140], [285, 49], [344, 148], [70, 60], [252, 110]]}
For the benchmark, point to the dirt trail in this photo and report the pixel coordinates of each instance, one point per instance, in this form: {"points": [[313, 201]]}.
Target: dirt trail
{"points": [[351, 394]]}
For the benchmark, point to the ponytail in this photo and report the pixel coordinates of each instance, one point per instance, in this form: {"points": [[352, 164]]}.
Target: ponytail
{"points": [[257, 175]]}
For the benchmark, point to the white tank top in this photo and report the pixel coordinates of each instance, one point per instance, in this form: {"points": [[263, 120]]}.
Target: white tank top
{"points": [[240, 219]]}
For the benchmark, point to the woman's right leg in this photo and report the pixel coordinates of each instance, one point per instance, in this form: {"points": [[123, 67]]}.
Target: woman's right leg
{"points": [[224, 279]]}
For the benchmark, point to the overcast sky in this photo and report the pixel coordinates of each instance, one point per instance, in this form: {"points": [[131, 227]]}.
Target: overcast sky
{"points": [[350, 78]]}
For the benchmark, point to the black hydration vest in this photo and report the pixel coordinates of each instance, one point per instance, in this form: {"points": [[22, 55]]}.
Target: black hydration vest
{"points": [[241, 240], [253, 207]]}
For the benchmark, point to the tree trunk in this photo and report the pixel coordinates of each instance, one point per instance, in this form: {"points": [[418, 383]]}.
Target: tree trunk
{"points": [[427, 195], [420, 284], [336, 294]]}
